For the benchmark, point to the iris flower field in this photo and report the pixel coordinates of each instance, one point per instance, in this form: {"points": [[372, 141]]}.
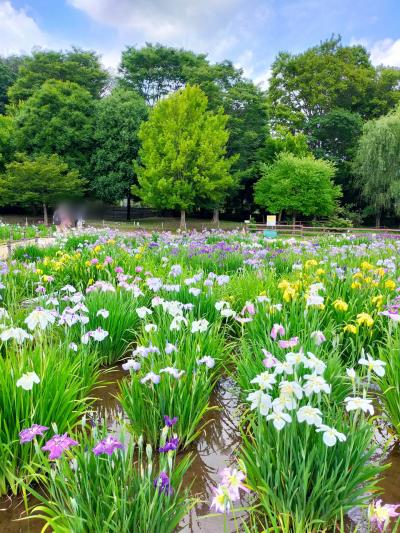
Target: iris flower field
{"points": [[305, 332]]}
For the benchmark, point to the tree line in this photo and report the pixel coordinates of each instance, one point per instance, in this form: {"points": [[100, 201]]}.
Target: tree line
{"points": [[174, 131]]}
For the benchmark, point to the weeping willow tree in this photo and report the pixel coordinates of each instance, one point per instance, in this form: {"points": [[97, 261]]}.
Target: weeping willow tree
{"points": [[377, 165]]}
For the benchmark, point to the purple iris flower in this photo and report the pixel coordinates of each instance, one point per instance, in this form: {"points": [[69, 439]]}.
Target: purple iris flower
{"points": [[28, 434], [163, 483], [107, 445], [170, 421], [170, 445], [57, 444]]}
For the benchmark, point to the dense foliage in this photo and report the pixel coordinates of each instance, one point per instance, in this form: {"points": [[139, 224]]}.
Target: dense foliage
{"points": [[8, 75], [377, 164], [317, 103], [58, 119], [327, 77], [182, 154], [297, 185], [43, 181], [118, 118], [76, 66], [155, 71]]}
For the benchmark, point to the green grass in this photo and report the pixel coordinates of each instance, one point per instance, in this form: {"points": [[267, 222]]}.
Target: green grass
{"points": [[165, 224]]}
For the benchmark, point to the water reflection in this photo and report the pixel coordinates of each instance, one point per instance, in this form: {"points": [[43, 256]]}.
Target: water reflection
{"points": [[213, 451]]}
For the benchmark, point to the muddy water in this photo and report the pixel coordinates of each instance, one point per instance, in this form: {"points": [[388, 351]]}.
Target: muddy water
{"points": [[213, 451], [11, 511]]}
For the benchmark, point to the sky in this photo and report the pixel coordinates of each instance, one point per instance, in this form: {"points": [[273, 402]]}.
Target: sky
{"points": [[248, 32]]}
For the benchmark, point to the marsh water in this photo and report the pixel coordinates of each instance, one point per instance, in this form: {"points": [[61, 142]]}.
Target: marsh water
{"points": [[213, 451]]}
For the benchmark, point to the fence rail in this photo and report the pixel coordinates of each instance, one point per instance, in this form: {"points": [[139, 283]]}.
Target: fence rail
{"points": [[302, 230]]}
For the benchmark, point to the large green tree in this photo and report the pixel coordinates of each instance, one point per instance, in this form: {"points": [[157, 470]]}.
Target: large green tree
{"points": [[118, 118], [58, 118], [377, 165], [155, 71], [326, 77], [297, 186], [334, 136], [78, 66], [245, 104], [43, 181], [183, 163]]}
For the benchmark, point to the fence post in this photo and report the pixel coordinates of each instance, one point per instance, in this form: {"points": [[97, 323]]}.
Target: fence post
{"points": [[9, 249]]}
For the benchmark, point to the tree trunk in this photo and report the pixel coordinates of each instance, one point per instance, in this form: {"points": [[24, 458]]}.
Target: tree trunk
{"points": [[128, 206], [215, 217], [378, 220], [183, 219], [45, 215], [294, 219], [279, 217]]}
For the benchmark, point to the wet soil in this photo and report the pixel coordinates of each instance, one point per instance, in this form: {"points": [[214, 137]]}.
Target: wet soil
{"points": [[212, 452]]}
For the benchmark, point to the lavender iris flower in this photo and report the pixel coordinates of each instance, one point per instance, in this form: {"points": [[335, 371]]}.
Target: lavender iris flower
{"points": [[107, 445], [57, 444], [28, 434]]}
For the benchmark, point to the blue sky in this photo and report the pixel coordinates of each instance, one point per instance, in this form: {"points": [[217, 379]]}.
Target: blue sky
{"points": [[249, 32]]}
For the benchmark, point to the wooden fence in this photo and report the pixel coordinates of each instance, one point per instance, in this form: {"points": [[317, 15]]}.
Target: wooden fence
{"points": [[301, 230]]}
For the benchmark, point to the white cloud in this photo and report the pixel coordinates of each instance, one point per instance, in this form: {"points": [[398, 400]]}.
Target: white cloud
{"points": [[19, 32], [246, 62], [262, 79], [212, 26], [159, 19], [111, 58], [253, 69], [386, 52]]}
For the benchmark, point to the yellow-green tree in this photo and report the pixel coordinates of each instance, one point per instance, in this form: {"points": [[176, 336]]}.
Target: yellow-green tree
{"points": [[183, 163], [298, 185], [43, 181]]}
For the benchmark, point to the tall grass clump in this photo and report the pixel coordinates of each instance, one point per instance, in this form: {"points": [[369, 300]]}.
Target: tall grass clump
{"points": [[308, 455], [58, 394], [389, 383], [122, 322], [172, 373]]}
